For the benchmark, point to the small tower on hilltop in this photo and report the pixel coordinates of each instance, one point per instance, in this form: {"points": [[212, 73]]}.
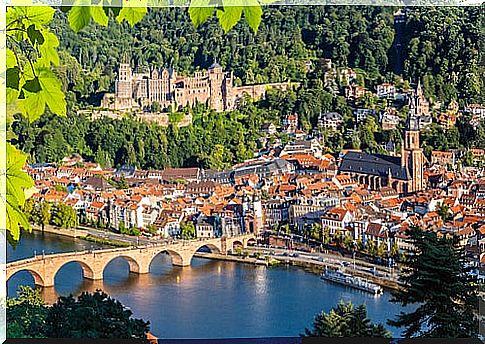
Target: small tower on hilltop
{"points": [[216, 79], [123, 85]]}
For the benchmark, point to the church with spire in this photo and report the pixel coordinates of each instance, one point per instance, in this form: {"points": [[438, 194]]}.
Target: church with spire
{"points": [[405, 173]]}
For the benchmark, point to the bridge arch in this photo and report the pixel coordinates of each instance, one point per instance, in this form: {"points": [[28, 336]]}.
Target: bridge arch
{"points": [[236, 244], [87, 270], [38, 280], [250, 242], [133, 264], [213, 248], [178, 259]]}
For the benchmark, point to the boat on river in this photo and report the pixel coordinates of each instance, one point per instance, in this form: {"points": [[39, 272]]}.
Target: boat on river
{"points": [[346, 279]]}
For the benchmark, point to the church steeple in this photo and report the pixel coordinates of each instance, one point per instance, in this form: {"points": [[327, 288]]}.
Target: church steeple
{"points": [[411, 135], [412, 155]]}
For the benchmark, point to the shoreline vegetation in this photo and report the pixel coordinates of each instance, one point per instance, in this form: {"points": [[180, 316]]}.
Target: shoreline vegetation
{"points": [[103, 241]]}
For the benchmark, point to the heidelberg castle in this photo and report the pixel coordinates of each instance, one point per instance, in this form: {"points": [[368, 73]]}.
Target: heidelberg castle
{"points": [[213, 87]]}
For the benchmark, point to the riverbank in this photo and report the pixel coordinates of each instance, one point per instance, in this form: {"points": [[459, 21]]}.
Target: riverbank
{"points": [[83, 234], [315, 267], [237, 259], [104, 241], [71, 233]]}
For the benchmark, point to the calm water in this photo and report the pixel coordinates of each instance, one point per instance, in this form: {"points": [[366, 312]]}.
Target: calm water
{"points": [[209, 299]]}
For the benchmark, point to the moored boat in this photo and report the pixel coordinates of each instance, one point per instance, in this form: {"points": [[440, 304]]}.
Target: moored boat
{"points": [[351, 281]]}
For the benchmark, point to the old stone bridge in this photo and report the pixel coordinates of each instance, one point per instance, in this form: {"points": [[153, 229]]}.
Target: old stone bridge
{"points": [[44, 268]]}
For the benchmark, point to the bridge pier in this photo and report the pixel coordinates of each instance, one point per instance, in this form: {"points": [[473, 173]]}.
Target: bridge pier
{"points": [[98, 275], [183, 259], [46, 281]]}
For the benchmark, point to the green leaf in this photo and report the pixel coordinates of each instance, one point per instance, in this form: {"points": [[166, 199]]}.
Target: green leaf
{"points": [[13, 78], [114, 10], [64, 8], [12, 95], [99, 15], [200, 11], [35, 36], [48, 50], [17, 181], [45, 89], [52, 92], [253, 13], [79, 17], [229, 17], [37, 14], [32, 106], [11, 59], [15, 219], [32, 85], [131, 14]]}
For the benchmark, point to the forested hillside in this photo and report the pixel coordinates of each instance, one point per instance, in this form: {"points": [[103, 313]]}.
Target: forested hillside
{"points": [[440, 46]]}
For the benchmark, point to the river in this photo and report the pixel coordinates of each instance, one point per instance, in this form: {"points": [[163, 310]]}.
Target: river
{"points": [[209, 299]]}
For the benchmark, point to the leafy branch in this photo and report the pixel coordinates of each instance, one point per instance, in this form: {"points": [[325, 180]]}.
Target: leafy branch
{"points": [[32, 86]]}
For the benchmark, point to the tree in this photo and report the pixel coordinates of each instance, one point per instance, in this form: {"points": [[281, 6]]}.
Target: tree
{"points": [[93, 315], [395, 250], [287, 229], [187, 230], [348, 242], [444, 211], [26, 314], [316, 231], [437, 280], [155, 107], [326, 235], [370, 247], [122, 227], [360, 245], [64, 216], [41, 214], [467, 159], [345, 320], [382, 249], [337, 237]]}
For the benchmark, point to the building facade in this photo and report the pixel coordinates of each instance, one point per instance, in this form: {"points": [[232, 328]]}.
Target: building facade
{"points": [[213, 87]]}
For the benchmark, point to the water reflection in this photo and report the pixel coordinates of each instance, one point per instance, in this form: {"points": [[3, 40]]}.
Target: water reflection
{"points": [[210, 298]]}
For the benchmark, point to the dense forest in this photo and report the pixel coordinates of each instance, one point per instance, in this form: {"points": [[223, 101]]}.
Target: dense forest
{"points": [[440, 46], [213, 140]]}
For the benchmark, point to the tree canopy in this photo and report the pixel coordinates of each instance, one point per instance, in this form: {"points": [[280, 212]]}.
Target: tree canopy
{"points": [[91, 315], [345, 320], [436, 280]]}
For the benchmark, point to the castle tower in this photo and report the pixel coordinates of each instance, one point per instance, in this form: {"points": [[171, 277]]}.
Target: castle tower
{"points": [[216, 79], [412, 155], [124, 86]]}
